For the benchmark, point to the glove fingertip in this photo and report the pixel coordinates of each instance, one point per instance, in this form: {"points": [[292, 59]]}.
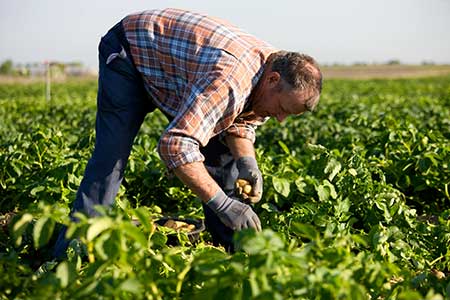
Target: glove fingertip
{"points": [[257, 223]]}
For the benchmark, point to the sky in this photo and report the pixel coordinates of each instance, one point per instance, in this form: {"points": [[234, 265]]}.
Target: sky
{"points": [[345, 31]]}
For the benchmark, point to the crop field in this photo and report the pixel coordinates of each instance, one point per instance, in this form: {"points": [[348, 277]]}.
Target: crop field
{"points": [[356, 203]]}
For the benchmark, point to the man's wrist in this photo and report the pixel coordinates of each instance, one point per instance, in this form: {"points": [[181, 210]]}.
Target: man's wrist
{"points": [[217, 201], [240, 147]]}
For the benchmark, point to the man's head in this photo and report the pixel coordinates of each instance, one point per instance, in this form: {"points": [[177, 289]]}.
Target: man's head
{"points": [[290, 85]]}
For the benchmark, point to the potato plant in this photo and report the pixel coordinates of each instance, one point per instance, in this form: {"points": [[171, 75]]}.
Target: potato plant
{"points": [[356, 203]]}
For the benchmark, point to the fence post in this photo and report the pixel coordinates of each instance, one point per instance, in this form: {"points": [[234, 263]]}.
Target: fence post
{"points": [[48, 82]]}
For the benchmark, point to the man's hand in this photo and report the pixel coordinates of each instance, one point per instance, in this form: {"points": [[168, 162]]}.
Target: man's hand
{"points": [[248, 170], [234, 213]]}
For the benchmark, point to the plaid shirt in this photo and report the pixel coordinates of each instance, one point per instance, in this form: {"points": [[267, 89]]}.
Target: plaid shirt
{"points": [[199, 70]]}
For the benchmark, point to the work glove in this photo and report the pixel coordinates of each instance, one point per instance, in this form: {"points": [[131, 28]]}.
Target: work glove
{"points": [[233, 213], [248, 170]]}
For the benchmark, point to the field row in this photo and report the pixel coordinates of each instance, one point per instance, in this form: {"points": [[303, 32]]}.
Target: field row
{"points": [[356, 203]]}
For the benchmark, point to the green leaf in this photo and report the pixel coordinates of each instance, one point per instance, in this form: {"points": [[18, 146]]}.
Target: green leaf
{"points": [[323, 192], [101, 246], [20, 226], [317, 149], [36, 190], [342, 206], [281, 185], [300, 184], [254, 284], [131, 164], [305, 230], [42, 231], [99, 225], [159, 239], [332, 168], [269, 207], [66, 273], [410, 295], [333, 192], [134, 232], [353, 172], [22, 222], [433, 157], [131, 285], [326, 190], [255, 244], [359, 239], [144, 217], [284, 147], [204, 257]]}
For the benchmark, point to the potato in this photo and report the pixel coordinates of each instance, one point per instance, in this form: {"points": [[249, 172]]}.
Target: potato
{"points": [[247, 189], [170, 223], [179, 225], [244, 190], [243, 187], [438, 274]]}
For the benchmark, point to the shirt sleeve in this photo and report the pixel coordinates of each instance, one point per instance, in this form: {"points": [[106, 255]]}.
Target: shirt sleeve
{"points": [[210, 107], [243, 130]]}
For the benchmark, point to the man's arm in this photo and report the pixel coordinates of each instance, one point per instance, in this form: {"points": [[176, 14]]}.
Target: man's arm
{"points": [[233, 213], [197, 178], [239, 146]]}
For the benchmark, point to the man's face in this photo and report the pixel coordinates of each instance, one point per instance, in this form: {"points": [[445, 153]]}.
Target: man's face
{"points": [[275, 98]]}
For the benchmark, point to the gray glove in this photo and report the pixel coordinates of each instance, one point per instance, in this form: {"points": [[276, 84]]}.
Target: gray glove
{"points": [[233, 213], [248, 170]]}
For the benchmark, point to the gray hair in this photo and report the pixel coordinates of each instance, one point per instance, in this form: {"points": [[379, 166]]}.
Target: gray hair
{"points": [[300, 71]]}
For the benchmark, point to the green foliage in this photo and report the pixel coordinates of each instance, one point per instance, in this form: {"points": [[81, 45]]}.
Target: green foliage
{"points": [[6, 67], [356, 203]]}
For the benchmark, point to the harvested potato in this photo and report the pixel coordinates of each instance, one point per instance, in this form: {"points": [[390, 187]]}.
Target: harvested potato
{"points": [[243, 186], [179, 225], [438, 274], [247, 189], [244, 190]]}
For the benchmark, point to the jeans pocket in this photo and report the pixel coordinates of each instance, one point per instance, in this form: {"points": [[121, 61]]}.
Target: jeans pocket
{"points": [[113, 56], [109, 44], [122, 54]]}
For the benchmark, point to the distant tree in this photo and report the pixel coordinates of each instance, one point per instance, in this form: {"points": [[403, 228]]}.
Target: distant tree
{"points": [[6, 67], [393, 62], [428, 63]]}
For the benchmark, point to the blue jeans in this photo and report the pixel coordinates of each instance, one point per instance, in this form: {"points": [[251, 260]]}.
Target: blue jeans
{"points": [[122, 104]]}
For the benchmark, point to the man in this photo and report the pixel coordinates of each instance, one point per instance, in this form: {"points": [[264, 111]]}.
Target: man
{"points": [[215, 83]]}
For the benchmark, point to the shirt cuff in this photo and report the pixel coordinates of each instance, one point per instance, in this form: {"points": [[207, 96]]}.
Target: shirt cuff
{"points": [[242, 130], [176, 151]]}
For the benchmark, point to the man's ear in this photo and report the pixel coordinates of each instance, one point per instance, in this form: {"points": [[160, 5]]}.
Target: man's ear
{"points": [[273, 78]]}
